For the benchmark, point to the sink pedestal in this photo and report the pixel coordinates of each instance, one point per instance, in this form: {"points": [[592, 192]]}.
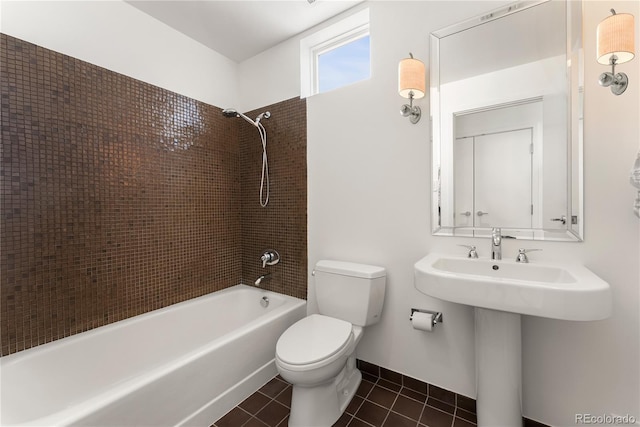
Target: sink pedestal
{"points": [[498, 368]]}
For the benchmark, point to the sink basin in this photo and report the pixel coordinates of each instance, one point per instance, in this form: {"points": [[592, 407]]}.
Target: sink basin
{"points": [[557, 291]]}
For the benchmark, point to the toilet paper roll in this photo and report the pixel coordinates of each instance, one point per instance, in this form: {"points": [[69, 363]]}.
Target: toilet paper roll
{"points": [[422, 321]]}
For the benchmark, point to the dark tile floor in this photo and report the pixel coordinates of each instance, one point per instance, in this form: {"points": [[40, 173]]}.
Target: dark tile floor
{"points": [[378, 402]]}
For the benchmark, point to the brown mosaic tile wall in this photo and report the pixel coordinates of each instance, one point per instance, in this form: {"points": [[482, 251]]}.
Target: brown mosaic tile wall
{"points": [[282, 225], [118, 197]]}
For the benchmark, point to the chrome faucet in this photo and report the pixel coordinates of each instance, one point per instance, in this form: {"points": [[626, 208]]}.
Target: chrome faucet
{"points": [[473, 253], [261, 278], [522, 255], [496, 244], [270, 257]]}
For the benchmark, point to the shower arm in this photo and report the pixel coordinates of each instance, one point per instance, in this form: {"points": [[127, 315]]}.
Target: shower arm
{"points": [[255, 123]]}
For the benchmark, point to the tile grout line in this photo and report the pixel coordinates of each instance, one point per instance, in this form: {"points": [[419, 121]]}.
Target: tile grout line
{"points": [[422, 410], [287, 414], [404, 416], [355, 411], [454, 405], [379, 405], [250, 418], [361, 420], [273, 400], [261, 408], [392, 403], [283, 390], [238, 407], [364, 399]]}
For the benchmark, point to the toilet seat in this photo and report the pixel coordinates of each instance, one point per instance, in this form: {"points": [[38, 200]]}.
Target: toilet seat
{"points": [[314, 341]]}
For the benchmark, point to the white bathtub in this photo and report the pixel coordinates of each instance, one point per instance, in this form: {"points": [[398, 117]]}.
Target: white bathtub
{"points": [[183, 365]]}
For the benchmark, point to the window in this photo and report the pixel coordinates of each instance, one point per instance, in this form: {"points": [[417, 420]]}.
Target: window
{"points": [[336, 56], [343, 65]]}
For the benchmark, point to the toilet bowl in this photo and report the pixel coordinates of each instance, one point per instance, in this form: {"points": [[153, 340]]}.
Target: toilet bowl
{"points": [[314, 349], [317, 354]]}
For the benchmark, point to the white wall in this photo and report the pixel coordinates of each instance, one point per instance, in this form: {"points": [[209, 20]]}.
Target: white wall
{"points": [[599, 365], [119, 37], [270, 77], [369, 201]]}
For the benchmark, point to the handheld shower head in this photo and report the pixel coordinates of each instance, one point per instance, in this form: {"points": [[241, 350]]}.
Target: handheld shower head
{"points": [[232, 112]]}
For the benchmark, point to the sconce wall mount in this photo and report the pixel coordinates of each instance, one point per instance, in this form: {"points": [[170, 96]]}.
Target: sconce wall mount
{"points": [[411, 85], [615, 46]]}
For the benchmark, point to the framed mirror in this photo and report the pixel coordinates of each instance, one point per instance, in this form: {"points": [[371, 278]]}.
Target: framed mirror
{"points": [[506, 92]]}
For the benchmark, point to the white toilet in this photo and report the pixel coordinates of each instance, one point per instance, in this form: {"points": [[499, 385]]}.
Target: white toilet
{"points": [[317, 353]]}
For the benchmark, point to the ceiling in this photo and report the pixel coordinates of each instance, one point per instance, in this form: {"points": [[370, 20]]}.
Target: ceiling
{"points": [[240, 29]]}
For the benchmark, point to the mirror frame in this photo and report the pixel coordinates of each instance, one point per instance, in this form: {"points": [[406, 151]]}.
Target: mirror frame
{"points": [[574, 77]]}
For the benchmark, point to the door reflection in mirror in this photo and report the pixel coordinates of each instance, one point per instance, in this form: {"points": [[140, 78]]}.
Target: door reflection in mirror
{"points": [[498, 158]]}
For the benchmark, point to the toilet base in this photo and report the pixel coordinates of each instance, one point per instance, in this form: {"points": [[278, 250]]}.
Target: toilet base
{"points": [[322, 404]]}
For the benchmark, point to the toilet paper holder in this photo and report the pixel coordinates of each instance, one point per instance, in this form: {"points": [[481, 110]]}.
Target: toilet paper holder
{"points": [[437, 315]]}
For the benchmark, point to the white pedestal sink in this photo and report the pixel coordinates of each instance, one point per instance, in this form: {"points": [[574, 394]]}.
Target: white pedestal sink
{"points": [[502, 291]]}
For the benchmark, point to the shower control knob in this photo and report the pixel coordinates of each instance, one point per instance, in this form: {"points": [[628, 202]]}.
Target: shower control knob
{"points": [[270, 257]]}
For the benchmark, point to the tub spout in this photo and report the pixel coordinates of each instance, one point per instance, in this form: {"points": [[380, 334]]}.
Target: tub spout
{"points": [[261, 278]]}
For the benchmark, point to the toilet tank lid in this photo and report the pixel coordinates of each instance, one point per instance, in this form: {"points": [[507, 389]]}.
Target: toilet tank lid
{"points": [[350, 269]]}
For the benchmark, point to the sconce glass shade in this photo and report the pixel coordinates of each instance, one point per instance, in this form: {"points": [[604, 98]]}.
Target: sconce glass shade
{"points": [[615, 37], [411, 78]]}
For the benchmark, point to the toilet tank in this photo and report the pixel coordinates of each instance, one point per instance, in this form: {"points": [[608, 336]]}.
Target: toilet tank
{"points": [[350, 291]]}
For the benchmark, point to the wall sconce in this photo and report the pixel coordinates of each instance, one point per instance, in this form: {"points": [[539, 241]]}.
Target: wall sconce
{"points": [[411, 85], [615, 46]]}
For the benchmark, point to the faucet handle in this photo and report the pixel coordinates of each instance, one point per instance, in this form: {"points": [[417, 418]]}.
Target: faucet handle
{"points": [[472, 251], [522, 254], [270, 257]]}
